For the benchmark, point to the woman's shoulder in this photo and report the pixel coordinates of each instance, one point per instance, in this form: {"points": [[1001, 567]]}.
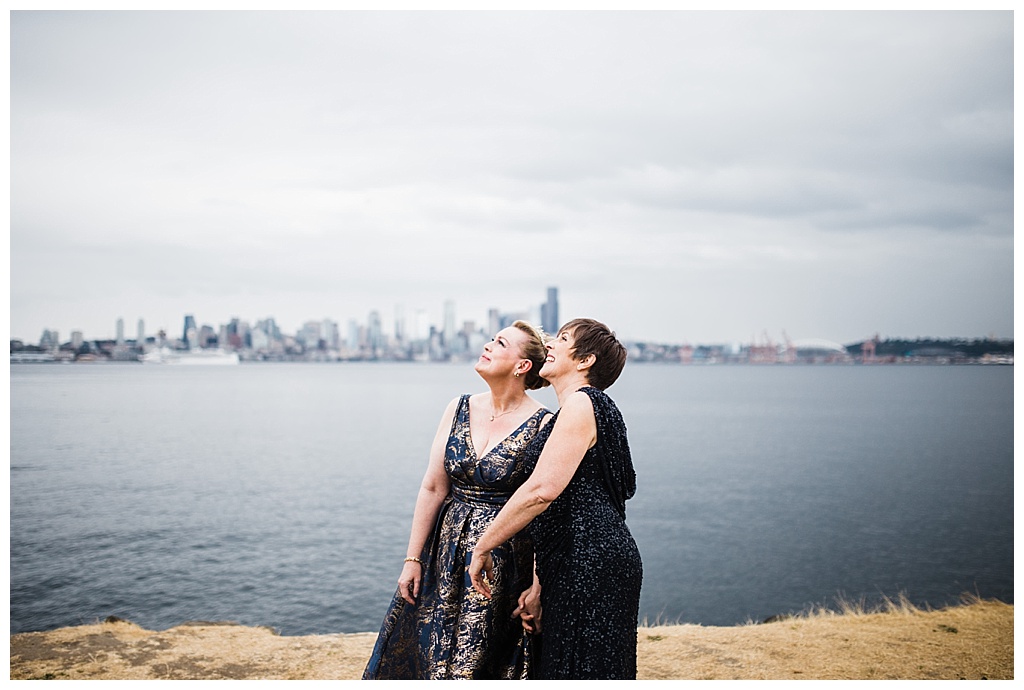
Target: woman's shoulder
{"points": [[597, 396], [604, 407], [454, 405], [577, 411]]}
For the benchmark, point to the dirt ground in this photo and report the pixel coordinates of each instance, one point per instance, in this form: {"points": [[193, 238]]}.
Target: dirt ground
{"points": [[974, 641]]}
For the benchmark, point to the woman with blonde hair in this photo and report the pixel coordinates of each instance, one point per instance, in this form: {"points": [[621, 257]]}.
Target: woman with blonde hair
{"points": [[437, 627]]}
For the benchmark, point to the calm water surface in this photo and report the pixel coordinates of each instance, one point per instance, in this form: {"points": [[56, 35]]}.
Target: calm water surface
{"points": [[281, 494]]}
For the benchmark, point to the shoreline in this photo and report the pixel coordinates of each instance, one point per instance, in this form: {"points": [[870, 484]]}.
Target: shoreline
{"points": [[969, 641]]}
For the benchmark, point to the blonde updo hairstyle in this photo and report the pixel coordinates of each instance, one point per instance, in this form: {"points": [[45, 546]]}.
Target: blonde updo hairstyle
{"points": [[533, 350]]}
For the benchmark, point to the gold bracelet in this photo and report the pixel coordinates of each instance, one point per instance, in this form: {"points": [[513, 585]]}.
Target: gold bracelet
{"points": [[414, 559]]}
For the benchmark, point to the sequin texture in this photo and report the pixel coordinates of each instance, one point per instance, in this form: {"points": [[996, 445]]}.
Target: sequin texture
{"points": [[453, 632], [587, 561]]}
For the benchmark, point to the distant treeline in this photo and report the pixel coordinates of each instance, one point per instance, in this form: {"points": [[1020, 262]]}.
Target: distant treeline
{"points": [[931, 347]]}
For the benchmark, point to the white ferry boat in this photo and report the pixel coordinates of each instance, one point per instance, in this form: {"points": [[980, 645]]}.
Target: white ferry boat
{"points": [[210, 357]]}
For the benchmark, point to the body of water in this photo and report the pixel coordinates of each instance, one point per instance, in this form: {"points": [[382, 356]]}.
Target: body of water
{"points": [[282, 494]]}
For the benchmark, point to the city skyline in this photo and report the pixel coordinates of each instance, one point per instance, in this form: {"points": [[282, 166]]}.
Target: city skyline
{"points": [[699, 177], [410, 326]]}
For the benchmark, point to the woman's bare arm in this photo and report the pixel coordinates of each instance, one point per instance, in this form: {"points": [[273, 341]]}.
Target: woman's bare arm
{"points": [[574, 433], [433, 490]]}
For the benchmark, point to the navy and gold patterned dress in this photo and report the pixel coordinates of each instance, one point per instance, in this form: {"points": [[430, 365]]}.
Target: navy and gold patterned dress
{"points": [[452, 632], [587, 562]]}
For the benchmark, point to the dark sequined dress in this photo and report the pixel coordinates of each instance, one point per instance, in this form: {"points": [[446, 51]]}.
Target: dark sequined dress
{"points": [[452, 632], [588, 564]]}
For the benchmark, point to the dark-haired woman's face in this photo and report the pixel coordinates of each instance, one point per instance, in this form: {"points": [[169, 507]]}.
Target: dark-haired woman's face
{"points": [[559, 359]]}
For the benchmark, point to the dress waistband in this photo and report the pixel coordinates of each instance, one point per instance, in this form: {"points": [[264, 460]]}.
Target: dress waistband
{"points": [[479, 497]]}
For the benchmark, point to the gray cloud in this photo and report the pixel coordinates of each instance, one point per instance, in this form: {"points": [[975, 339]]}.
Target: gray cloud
{"points": [[684, 175]]}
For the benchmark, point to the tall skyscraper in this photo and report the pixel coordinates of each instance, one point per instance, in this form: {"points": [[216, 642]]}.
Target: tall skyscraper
{"points": [[190, 325], [140, 334], [120, 331], [549, 312]]}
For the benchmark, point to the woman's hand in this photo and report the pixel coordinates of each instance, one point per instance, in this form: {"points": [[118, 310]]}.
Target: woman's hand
{"points": [[409, 581], [529, 610], [481, 570]]}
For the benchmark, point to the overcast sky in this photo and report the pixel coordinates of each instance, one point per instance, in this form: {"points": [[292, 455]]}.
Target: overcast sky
{"points": [[682, 176]]}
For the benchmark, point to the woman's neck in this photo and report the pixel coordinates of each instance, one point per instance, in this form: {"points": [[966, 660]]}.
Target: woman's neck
{"points": [[506, 394], [569, 385]]}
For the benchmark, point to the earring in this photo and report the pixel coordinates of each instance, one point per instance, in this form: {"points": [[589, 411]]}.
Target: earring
{"points": [[516, 374]]}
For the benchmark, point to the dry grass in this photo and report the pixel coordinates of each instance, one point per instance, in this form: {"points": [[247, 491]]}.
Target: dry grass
{"points": [[899, 641], [895, 641]]}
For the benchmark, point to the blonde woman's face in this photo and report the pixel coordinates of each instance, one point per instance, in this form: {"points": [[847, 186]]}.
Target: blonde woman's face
{"points": [[504, 352]]}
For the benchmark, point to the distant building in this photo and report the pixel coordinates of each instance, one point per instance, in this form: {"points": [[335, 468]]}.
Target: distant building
{"points": [[493, 322], [353, 341], [375, 333], [820, 351], [399, 323], [448, 335], [310, 335], [50, 340], [549, 312], [330, 334], [190, 335], [207, 336], [260, 341]]}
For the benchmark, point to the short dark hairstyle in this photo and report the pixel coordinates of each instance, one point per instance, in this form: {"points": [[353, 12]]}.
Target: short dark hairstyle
{"points": [[592, 337]]}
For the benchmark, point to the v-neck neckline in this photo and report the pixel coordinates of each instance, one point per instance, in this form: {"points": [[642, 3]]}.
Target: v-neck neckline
{"points": [[469, 434]]}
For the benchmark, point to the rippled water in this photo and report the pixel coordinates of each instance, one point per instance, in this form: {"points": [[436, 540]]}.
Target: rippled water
{"points": [[281, 494]]}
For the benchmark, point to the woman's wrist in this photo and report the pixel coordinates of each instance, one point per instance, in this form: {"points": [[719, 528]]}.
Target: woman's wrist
{"points": [[413, 559]]}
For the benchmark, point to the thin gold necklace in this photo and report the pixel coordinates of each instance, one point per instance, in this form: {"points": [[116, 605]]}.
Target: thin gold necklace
{"points": [[495, 416]]}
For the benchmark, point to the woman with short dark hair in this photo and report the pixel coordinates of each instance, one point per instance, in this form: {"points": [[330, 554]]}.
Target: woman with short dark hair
{"points": [[586, 593]]}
